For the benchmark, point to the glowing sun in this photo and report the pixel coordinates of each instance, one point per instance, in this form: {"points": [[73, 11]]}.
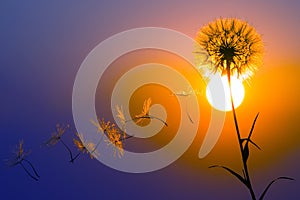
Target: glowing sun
{"points": [[218, 93]]}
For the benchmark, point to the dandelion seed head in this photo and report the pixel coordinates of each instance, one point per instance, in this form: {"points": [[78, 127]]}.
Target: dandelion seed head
{"points": [[232, 45]]}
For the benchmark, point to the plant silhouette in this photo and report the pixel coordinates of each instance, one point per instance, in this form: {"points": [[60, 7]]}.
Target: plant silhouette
{"points": [[19, 157], [235, 49]]}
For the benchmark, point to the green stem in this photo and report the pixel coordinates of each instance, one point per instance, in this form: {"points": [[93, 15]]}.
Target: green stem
{"points": [[249, 185]]}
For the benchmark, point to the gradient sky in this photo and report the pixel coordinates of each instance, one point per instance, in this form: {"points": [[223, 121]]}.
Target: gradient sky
{"points": [[42, 46]]}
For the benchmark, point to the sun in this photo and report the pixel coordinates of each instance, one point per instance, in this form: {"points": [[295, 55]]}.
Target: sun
{"points": [[218, 93]]}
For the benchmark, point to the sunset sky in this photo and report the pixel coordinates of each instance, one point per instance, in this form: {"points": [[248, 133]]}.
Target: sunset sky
{"points": [[42, 47]]}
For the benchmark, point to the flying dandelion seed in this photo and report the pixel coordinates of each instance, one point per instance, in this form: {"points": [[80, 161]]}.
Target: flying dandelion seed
{"points": [[19, 156], [56, 136], [85, 147], [115, 137], [187, 93], [233, 46], [145, 113]]}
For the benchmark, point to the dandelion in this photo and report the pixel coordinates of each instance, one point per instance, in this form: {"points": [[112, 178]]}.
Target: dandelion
{"points": [[233, 45], [19, 156], [145, 113], [235, 49]]}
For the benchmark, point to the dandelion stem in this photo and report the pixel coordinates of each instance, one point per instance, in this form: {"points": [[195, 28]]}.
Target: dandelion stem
{"points": [[76, 156], [153, 117], [187, 111], [97, 144], [29, 174], [31, 165], [68, 149], [147, 117], [245, 170], [127, 137]]}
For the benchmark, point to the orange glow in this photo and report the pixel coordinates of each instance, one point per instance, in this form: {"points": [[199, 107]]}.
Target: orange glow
{"points": [[272, 92], [218, 93]]}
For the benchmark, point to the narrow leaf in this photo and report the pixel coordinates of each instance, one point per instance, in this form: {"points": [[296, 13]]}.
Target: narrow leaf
{"points": [[246, 139], [244, 174], [252, 128], [245, 153], [254, 144], [232, 172], [268, 187]]}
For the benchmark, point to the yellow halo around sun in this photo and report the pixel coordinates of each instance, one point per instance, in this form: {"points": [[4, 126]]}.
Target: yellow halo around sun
{"points": [[218, 93]]}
